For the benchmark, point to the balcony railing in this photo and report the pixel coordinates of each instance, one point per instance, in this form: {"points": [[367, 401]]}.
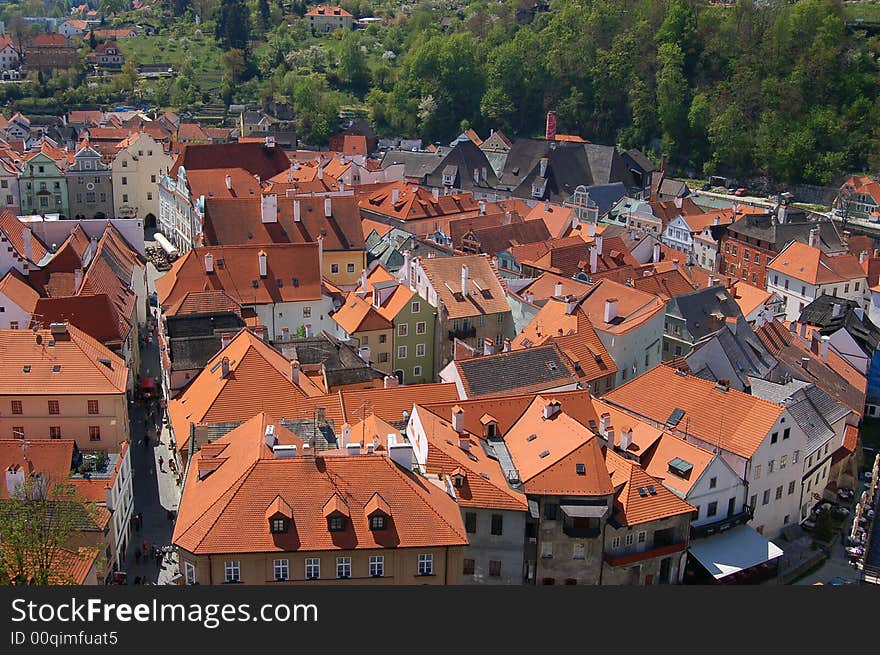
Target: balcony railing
{"points": [[708, 529], [463, 333], [633, 557]]}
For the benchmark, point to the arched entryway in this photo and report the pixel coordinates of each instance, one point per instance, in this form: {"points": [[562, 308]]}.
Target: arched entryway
{"points": [[399, 375], [149, 221]]}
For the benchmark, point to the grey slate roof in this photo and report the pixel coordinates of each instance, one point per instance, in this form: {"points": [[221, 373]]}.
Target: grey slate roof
{"points": [[704, 310], [466, 157], [765, 228], [732, 356], [342, 366], [820, 312], [193, 325], [188, 353], [415, 164], [540, 367]]}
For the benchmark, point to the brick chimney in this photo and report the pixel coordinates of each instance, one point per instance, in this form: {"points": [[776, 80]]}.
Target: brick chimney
{"points": [[261, 257], [269, 208], [610, 309], [209, 263], [550, 129], [458, 419]]}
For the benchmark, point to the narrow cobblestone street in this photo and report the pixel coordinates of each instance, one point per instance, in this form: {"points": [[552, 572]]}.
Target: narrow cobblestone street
{"points": [[155, 489]]}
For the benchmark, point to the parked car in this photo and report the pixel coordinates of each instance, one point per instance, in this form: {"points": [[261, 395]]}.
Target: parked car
{"points": [[740, 191], [837, 582]]}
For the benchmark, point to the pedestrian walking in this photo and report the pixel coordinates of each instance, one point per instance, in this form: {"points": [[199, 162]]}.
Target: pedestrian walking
{"points": [[161, 463]]}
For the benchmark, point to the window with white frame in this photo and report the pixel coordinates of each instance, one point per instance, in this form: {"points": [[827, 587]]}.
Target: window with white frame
{"points": [[426, 564], [416, 307], [313, 568], [629, 539], [642, 536], [615, 542], [282, 569], [420, 350], [402, 329], [232, 569], [401, 352], [377, 566], [417, 371], [421, 327], [189, 572], [343, 567]]}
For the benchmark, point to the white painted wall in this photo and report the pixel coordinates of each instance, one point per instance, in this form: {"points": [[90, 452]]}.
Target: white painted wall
{"points": [[629, 348], [12, 313], [727, 485]]}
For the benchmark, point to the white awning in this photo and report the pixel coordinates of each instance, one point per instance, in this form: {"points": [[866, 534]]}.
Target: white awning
{"points": [[734, 550], [585, 511], [166, 245]]}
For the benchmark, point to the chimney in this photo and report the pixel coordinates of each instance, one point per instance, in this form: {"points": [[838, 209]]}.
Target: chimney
{"points": [[269, 208], [550, 128], [803, 330], [836, 310], [594, 259], [610, 309], [294, 371], [662, 165], [476, 176], [401, 454], [814, 237], [626, 437], [364, 354], [261, 256], [297, 217], [710, 282], [506, 345], [604, 423], [283, 451], [591, 229], [363, 290], [716, 221], [292, 175], [506, 219], [781, 214], [488, 346], [346, 433], [845, 237], [320, 173], [484, 174], [557, 290], [328, 207], [225, 338], [390, 381], [546, 205], [395, 195], [678, 202], [804, 362], [863, 257], [570, 305], [458, 419], [224, 368], [209, 263], [656, 255], [551, 409], [435, 193], [464, 279], [229, 182], [598, 245], [823, 352], [675, 264], [482, 206], [353, 448], [77, 279], [407, 263], [269, 435], [28, 244]]}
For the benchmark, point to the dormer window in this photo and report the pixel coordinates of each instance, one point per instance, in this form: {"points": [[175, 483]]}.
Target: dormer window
{"points": [[377, 522], [378, 512], [279, 515], [458, 480], [279, 526], [336, 513], [336, 523]]}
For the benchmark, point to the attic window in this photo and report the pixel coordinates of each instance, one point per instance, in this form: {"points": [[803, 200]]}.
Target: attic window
{"points": [[56, 368], [551, 365], [484, 475], [544, 454], [279, 282], [643, 492], [336, 523], [652, 490], [219, 262], [295, 281], [531, 437], [486, 294], [27, 369], [255, 284], [580, 469]]}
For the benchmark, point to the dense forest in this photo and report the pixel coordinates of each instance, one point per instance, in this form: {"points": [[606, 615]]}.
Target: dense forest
{"points": [[784, 90]]}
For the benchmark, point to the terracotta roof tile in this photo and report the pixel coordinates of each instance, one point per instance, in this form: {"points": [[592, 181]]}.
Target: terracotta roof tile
{"points": [[633, 508], [225, 511], [737, 421], [486, 294], [803, 262], [15, 287]]}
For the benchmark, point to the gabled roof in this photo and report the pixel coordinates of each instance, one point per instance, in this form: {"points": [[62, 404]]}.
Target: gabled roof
{"points": [[224, 512], [736, 421], [13, 230], [634, 307], [547, 462], [807, 264], [575, 336], [389, 404], [484, 484], [256, 158], [359, 315], [748, 297], [414, 202], [517, 371], [237, 273], [485, 295], [328, 11], [29, 359], [633, 508], [259, 377], [665, 284], [93, 314], [203, 302], [239, 222], [15, 287], [821, 312], [657, 463], [496, 239], [704, 310]]}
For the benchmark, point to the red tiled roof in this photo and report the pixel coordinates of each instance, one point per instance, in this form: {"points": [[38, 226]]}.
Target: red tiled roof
{"points": [[255, 158], [15, 287], [93, 314], [13, 230]]}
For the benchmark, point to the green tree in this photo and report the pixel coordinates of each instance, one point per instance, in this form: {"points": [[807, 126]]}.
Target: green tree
{"points": [[672, 98], [38, 523], [352, 69], [233, 25], [234, 64], [824, 531]]}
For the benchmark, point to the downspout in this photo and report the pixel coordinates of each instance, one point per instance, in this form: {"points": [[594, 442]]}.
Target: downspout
{"points": [[446, 568]]}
